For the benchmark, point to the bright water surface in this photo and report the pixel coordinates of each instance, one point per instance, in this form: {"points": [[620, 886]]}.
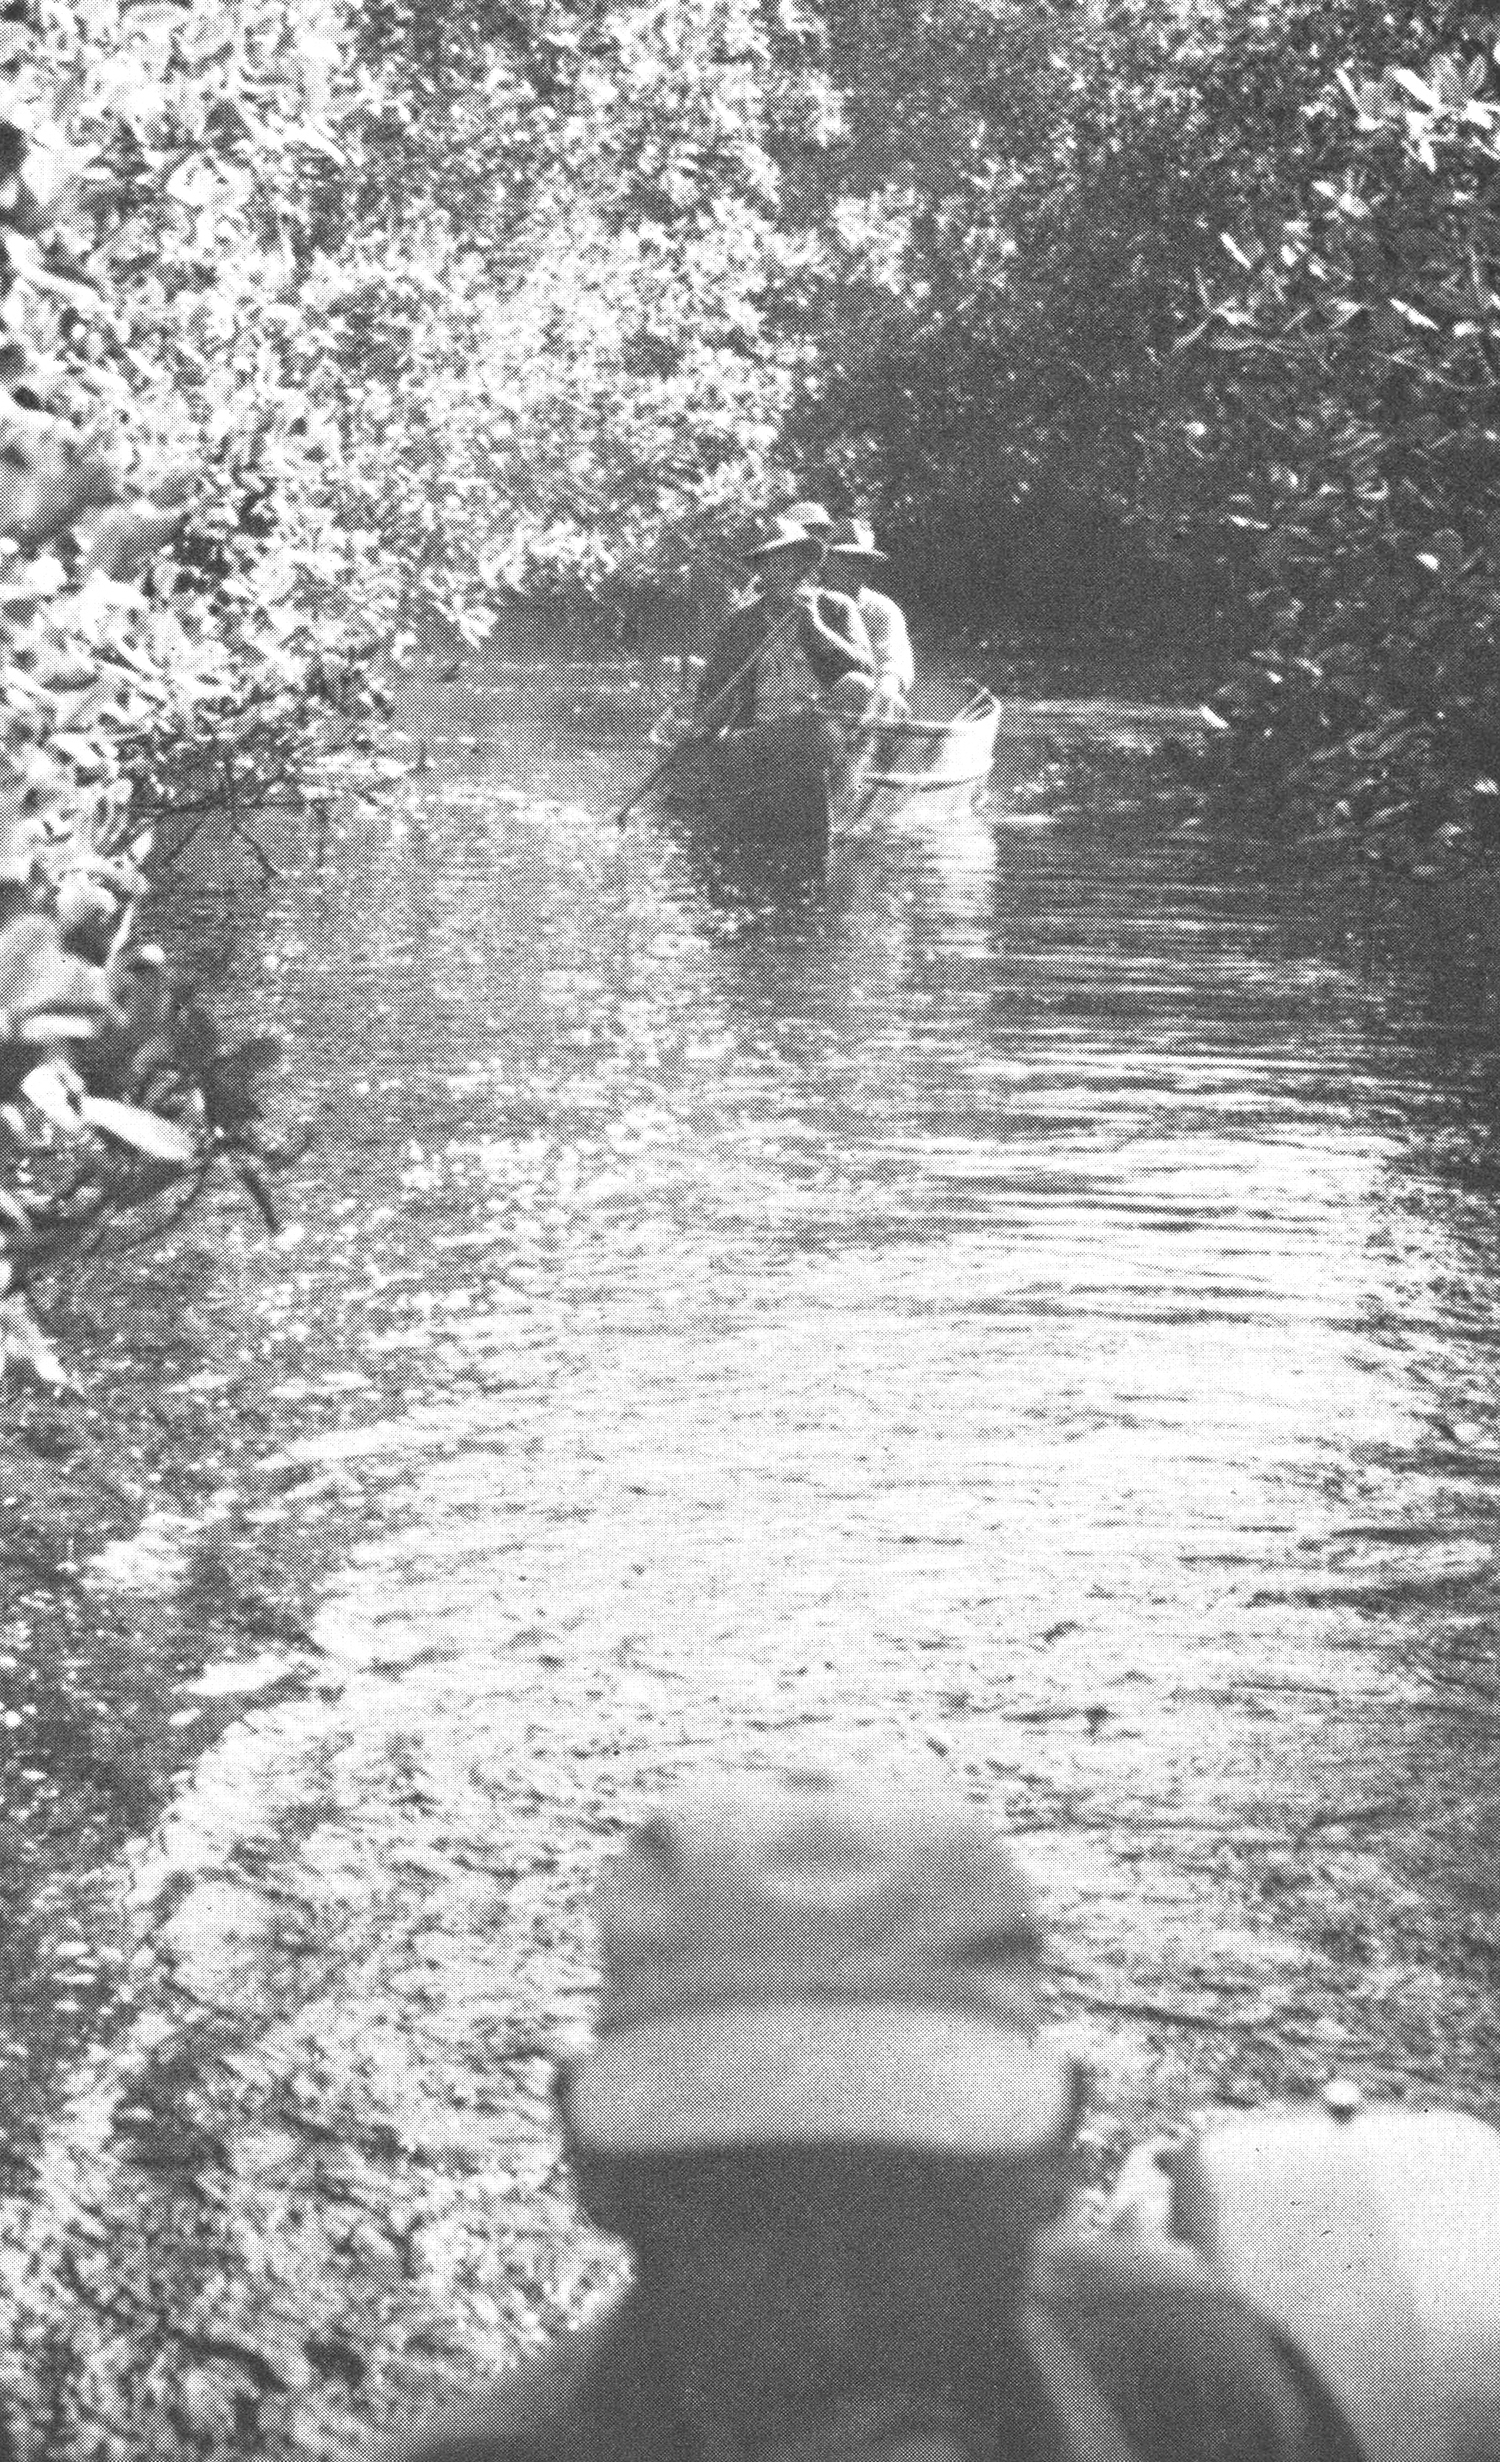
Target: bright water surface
{"points": [[1042, 1211], [1034, 1287]]}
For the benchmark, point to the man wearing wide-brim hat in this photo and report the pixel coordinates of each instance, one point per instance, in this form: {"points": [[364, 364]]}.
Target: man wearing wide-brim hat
{"points": [[814, 517], [850, 560], [820, 2110], [794, 647]]}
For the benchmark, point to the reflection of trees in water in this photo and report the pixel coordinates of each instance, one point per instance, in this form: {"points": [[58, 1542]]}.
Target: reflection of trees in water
{"points": [[767, 880]]}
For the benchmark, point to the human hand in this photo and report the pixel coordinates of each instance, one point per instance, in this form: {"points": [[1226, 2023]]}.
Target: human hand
{"points": [[849, 698]]}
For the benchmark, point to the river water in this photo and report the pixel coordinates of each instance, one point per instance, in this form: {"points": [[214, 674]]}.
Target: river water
{"points": [[1029, 1291], [1031, 1288], [1043, 1219]]}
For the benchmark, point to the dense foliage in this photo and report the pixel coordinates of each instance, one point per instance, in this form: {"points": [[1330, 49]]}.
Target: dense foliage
{"points": [[1348, 436], [1207, 277], [161, 647], [575, 296], [1226, 274]]}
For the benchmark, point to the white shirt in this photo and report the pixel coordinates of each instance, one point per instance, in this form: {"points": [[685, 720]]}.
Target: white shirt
{"points": [[895, 667]]}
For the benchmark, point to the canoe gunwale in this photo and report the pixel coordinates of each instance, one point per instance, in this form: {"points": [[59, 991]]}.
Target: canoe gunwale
{"points": [[968, 740], [958, 724], [916, 781]]}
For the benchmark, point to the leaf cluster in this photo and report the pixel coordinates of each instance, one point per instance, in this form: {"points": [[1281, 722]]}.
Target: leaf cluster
{"points": [[1343, 463], [167, 596]]}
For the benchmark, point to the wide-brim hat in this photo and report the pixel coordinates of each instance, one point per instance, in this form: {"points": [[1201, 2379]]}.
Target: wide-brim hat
{"points": [[856, 539], [783, 532], [794, 1958]]}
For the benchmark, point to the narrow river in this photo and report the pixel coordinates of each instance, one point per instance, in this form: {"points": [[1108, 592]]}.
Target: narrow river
{"points": [[1030, 1293], [1015, 1290], [1037, 1224]]}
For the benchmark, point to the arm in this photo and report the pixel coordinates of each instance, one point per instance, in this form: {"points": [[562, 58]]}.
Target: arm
{"points": [[835, 639], [895, 664], [895, 667]]}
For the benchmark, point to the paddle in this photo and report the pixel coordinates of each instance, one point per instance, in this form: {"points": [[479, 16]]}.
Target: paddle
{"points": [[659, 769]]}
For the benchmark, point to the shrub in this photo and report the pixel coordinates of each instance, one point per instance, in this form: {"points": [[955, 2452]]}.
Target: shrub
{"points": [[151, 212], [1344, 463]]}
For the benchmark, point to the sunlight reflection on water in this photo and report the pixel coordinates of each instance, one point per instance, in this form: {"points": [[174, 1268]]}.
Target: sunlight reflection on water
{"points": [[1016, 1227]]}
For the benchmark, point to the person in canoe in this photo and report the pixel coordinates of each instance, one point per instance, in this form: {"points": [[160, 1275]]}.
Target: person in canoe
{"points": [[793, 647], [850, 554]]}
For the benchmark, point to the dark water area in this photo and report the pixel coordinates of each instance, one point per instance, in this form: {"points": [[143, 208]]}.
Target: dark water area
{"points": [[1065, 1231]]}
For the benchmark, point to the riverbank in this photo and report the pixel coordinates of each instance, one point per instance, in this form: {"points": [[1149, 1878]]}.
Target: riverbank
{"points": [[138, 1546]]}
